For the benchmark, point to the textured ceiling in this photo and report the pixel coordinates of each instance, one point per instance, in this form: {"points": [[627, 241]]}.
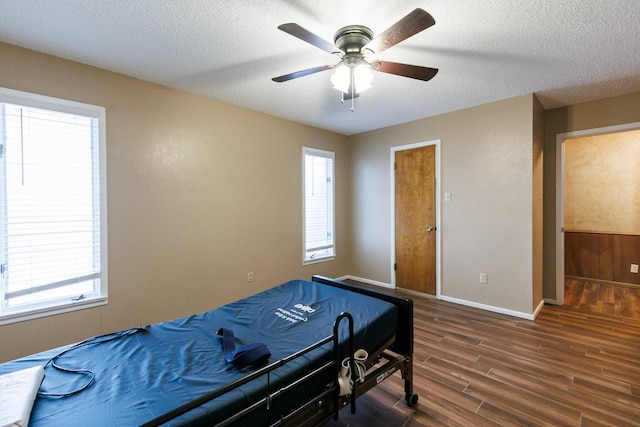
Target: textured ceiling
{"points": [[565, 51]]}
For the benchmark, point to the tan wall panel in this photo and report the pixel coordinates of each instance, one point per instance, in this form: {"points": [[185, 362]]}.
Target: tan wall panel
{"points": [[487, 166], [537, 227], [602, 183]]}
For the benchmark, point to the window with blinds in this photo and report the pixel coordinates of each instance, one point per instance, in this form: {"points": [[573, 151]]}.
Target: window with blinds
{"points": [[52, 252], [319, 225]]}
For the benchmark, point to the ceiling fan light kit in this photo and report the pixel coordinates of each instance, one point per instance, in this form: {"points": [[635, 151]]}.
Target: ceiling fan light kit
{"points": [[355, 44], [352, 76]]}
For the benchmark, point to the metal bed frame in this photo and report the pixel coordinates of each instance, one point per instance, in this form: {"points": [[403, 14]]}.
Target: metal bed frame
{"points": [[395, 355]]}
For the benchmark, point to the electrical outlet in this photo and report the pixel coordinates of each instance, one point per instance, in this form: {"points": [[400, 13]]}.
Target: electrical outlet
{"points": [[250, 276], [634, 268], [483, 278]]}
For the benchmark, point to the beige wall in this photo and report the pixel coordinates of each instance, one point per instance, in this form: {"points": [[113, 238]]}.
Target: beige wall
{"points": [[487, 166], [613, 111], [537, 227], [602, 183], [199, 193]]}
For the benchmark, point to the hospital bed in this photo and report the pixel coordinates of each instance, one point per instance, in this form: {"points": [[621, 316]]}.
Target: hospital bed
{"points": [[179, 372]]}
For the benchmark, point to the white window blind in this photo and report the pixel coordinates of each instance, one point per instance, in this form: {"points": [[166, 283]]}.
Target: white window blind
{"points": [[50, 210], [319, 227]]}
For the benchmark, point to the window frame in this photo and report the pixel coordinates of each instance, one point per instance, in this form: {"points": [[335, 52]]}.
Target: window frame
{"points": [[42, 309], [326, 154]]}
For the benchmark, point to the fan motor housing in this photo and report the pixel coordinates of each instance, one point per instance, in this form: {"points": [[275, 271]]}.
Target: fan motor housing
{"points": [[352, 38]]}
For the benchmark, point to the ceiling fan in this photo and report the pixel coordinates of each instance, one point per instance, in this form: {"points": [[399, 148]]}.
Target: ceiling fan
{"points": [[355, 44]]}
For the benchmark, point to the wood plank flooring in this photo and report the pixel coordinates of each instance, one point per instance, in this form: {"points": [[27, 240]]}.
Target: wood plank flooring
{"points": [[476, 368], [602, 297]]}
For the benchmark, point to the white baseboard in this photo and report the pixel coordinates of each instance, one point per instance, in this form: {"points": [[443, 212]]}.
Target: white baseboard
{"points": [[520, 314], [538, 308]]}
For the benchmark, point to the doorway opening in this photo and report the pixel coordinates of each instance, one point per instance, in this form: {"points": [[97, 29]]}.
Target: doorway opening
{"points": [[597, 220]]}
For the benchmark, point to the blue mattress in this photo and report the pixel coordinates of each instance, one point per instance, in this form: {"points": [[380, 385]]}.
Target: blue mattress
{"points": [[143, 375]]}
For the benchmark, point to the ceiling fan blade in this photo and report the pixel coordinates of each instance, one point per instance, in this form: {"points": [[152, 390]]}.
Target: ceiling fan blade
{"points": [[405, 70], [307, 36], [302, 73], [411, 24]]}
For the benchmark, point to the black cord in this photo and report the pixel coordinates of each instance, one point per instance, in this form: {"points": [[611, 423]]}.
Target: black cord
{"points": [[83, 371]]}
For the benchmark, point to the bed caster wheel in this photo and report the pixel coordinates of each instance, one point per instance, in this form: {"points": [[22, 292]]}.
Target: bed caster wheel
{"points": [[411, 399]]}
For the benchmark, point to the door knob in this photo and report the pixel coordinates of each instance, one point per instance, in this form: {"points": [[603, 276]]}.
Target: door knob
{"points": [[430, 228]]}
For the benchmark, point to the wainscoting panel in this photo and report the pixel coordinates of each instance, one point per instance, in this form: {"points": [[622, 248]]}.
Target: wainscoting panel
{"points": [[602, 256]]}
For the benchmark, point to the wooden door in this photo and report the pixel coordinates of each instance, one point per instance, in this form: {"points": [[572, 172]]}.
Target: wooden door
{"points": [[415, 228]]}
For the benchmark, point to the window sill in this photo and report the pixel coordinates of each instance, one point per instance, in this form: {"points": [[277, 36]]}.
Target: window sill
{"points": [[50, 311], [318, 260]]}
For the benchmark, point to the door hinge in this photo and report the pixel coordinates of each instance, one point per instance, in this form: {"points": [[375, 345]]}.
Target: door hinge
{"points": [[4, 268], [395, 266]]}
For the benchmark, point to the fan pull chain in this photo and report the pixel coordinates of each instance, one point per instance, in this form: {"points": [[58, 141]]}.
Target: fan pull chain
{"points": [[353, 89]]}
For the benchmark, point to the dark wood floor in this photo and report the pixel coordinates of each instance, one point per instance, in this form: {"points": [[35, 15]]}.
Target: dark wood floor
{"points": [[602, 297], [476, 368]]}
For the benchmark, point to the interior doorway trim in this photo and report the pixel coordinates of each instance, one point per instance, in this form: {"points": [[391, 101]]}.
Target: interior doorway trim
{"points": [[438, 229], [560, 138]]}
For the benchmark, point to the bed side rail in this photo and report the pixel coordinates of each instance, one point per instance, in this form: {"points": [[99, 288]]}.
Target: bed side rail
{"points": [[404, 332]]}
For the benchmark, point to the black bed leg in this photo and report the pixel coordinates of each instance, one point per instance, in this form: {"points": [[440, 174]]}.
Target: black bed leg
{"points": [[409, 396], [411, 399]]}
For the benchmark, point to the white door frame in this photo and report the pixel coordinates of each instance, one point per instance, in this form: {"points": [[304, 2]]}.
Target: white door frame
{"points": [[435, 142], [560, 138]]}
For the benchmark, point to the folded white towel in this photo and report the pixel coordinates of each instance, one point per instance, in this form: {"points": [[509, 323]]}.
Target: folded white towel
{"points": [[18, 391]]}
